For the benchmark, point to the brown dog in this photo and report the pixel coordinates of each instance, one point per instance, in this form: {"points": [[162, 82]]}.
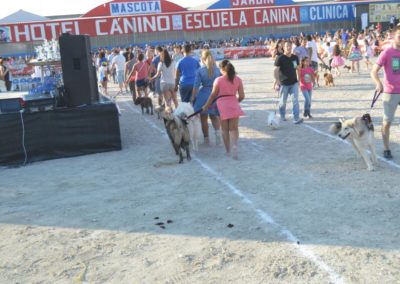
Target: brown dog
{"points": [[329, 80], [347, 67], [145, 103]]}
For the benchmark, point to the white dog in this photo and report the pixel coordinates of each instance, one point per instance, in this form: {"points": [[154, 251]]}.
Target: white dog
{"points": [[360, 132], [273, 120], [194, 124]]}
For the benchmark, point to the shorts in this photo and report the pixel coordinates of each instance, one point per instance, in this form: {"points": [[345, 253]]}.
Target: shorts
{"points": [[314, 65], [120, 76], [185, 93], [141, 83], [390, 103], [167, 87]]}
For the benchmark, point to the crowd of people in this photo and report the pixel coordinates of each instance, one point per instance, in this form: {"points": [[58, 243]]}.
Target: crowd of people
{"points": [[298, 59], [166, 71], [169, 70], [300, 63]]}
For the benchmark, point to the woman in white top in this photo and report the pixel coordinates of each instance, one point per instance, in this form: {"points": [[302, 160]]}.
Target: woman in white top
{"points": [[367, 53], [166, 69]]}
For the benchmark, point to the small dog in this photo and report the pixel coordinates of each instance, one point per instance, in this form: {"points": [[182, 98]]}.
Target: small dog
{"points": [[329, 80], [347, 67], [194, 124], [273, 120], [324, 67], [145, 103], [178, 133], [360, 132], [159, 110]]}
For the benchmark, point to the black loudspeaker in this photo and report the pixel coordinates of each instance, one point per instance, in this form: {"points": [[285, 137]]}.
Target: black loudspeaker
{"points": [[79, 74]]}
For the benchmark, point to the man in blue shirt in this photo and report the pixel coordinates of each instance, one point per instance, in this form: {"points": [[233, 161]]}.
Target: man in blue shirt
{"points": [[185, 74]]}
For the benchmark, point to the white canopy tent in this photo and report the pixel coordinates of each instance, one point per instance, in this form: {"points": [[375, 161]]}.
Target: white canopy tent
{"points": [[22, 16]]}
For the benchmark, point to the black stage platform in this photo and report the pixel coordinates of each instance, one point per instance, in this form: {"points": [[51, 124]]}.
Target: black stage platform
{"points": [[62, 132]]}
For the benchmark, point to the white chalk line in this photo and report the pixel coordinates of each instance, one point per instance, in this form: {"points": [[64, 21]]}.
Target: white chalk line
{"points": [[391, 163], [306, 252], [152, 124]]}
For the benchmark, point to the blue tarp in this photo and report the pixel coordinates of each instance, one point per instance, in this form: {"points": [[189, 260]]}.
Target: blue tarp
{"points": [[327, 13]]}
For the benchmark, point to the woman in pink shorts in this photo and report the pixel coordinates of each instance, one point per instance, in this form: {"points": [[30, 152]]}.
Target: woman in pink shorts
{"points": [[225, 89]]}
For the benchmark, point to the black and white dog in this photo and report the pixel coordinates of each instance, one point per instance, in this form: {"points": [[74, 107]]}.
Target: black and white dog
{"points": [[178, 132]]}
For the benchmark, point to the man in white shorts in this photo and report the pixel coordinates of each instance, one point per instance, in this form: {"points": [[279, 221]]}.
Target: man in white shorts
{"points": [[313, 54], [389, 59], [118, 62]]}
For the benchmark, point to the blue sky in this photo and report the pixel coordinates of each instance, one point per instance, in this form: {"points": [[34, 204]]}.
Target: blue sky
{"points": [[57, 7]]}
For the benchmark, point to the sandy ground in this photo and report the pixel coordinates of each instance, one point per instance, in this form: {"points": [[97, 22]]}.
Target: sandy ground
{"points": [[304, 209]]}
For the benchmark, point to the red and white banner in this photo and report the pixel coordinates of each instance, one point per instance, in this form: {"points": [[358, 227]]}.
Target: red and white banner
{"points": [[246, 52], [20, 69], [166, 22]]}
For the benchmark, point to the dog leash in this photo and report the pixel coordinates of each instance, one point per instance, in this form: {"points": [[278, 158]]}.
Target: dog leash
{"points": [[375, 98], [278, 89], [367, 117], [200, 110]]}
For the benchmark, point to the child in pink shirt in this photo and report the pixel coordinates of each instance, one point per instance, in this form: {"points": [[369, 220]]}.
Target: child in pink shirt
{"points": [[306, 76], [141, 72]]}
